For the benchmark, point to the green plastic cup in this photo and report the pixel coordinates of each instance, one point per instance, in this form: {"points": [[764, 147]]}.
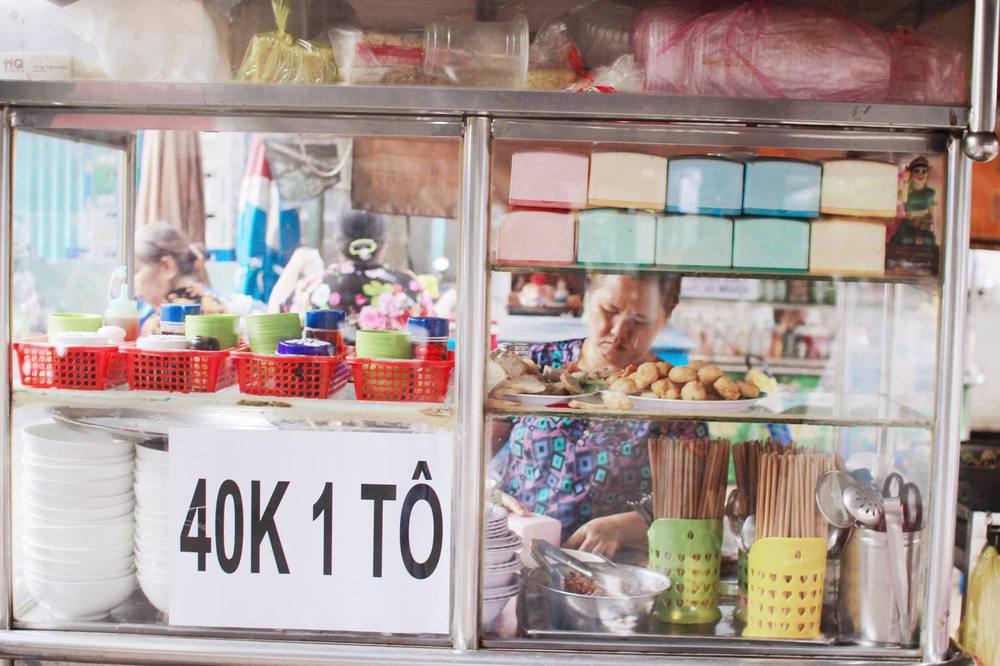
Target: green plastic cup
{"points": [[61, 322], [689, 553], [383, 344], [222, 327], [266, 330]]}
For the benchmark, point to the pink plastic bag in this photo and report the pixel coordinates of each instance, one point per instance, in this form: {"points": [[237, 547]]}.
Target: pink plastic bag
{"points": [[660, 49], [777, 50], [926, 71]]}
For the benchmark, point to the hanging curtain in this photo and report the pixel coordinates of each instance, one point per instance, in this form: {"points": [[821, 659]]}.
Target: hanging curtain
{"points": [[172, 182], [267, 233]]}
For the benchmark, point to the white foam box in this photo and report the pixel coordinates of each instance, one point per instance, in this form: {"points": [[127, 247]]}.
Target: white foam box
{"points": [[536, 526], [859, 188], [537, 236], [549, 179], [845, 245], [628, 180], [608, 236]]}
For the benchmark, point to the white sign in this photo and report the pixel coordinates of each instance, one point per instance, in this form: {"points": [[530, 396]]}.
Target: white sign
{"points": [[338, 531]]}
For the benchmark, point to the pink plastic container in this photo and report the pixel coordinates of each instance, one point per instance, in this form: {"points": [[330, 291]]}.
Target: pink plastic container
{"points": [[549, 179]]}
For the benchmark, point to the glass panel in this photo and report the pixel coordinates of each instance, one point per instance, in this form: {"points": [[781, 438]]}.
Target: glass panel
{"points": [[356, 237], [659, 308], [724, 49]]}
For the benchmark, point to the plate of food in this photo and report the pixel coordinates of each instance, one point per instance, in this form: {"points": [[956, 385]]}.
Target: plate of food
{"points": [[544, 399], [660, 386], [520, 380]]}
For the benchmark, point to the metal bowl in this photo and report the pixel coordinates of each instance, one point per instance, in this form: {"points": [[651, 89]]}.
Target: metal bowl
{"points": [[579, 612]]}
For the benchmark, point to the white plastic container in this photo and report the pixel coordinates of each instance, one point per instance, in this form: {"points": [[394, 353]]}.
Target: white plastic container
{"points": [[478, 54]]}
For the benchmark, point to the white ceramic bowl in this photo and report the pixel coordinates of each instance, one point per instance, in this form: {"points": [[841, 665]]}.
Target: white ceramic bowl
{"points": [[157, 590], [152, 566], [494, 556], [101, 488], [153, 500], [78, 555], [39, 498], [47, 513], [501, 575], [91, 600], [152, 552], [147, 472], [492, 608], [147, 453], [66, 473], [95, 535], [75, 577], [52, 440], [505, 591], [51, 461], [104, 568]]}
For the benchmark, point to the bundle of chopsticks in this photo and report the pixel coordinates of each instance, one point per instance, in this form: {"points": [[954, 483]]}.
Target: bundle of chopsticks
{"points": [[689, 476], [746, 464], [786, 490]]}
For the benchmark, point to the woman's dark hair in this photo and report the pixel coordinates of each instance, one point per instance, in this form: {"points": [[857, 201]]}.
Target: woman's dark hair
{"points": [[162, 239], [669, 284], [361, 236]]}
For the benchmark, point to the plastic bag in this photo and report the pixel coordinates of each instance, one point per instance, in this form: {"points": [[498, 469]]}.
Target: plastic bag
{"points": [[784, 50], [554, 62], [152, 40], [602, 30], [278, 57], [378, 58], [623, 75], [926, 70], [980, 629], [658, 46]]}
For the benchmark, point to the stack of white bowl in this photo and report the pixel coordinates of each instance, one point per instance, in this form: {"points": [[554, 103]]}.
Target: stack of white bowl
{"points": [[502, 564], [151, 538], [76, 520]]}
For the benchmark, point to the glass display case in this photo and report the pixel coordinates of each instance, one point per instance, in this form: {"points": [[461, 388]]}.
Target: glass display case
{"points": [[481, 370]]}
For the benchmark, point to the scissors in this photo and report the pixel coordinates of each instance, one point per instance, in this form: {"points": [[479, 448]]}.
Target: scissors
{"points": [[895, 487]]}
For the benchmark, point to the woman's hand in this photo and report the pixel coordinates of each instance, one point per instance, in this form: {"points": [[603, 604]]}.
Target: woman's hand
{"points": [[513, 505], [605, 535]]}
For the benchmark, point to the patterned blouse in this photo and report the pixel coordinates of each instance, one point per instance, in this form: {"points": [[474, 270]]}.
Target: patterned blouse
{"points": [[575, 469], [384, 294]]}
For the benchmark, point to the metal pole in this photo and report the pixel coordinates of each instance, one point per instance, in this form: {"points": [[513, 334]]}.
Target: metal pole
{"points": [[885, 366], [129, 195], [948, 407], [981, 142], [472, 349], [6, 310]]}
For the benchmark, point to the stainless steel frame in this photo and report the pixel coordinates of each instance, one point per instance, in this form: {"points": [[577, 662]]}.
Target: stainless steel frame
{"points": [[249, 107], [981, 142], [245, 98], [948, 408], [470, 368], [6, 310], [130, 173]]}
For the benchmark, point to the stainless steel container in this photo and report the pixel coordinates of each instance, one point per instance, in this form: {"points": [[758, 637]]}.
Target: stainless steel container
{"points": [[867, 604], [579, 612]]}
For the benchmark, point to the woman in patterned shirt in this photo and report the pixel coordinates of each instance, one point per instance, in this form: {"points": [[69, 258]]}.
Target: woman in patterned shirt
{"points": [[586, 472]]}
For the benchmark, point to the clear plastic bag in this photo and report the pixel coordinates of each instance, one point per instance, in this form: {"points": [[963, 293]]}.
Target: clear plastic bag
{"points": [[278, 57], [378, 58], [659, 45], [980, 629], [926, 70], [783, 50], [623, 75]]}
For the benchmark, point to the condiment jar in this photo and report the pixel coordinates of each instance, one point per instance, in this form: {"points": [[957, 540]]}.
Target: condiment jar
{"points": [[429, 336], [305, 347], [325, 325], [172, 317], [122, 311]]}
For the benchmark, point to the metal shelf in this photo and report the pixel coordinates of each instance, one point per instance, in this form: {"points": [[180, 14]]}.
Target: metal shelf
{"points": [[805, 408], [918, 280], [277, 409], [314, 99]]}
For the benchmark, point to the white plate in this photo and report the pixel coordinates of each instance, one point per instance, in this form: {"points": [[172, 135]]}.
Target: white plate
{"points": [[708, 406], [533, 400]]}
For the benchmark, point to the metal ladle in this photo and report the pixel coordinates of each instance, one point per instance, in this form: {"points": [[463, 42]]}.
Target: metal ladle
{"points": [[864, 504]]}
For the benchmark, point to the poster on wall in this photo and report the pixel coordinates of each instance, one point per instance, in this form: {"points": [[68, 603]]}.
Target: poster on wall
{"points": [[331, 531]]}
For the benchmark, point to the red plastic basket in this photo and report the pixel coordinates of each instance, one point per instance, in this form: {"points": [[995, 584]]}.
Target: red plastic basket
{"points": [[87, 368], [290, 376], [401, 381], [188, 371]]}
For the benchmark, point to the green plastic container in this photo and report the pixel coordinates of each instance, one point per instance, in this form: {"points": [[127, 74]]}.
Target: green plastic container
{"points": [[61, 322], [771, 243], [222, 327], [689, 552], [265, 331], [607, 236], [383, 344], [694, 241]]}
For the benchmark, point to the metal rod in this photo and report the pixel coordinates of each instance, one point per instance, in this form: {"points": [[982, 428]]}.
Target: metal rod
{"points": [[948, 407], [983, 81], [129, 196], [472, 349], [6, 310], [981, 141], [885, 364]]}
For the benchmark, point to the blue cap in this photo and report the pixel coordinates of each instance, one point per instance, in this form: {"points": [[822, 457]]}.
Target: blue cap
{"points": [[191, 309], [305, 347], [428, 327], [172, 312], [330, 320]]}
